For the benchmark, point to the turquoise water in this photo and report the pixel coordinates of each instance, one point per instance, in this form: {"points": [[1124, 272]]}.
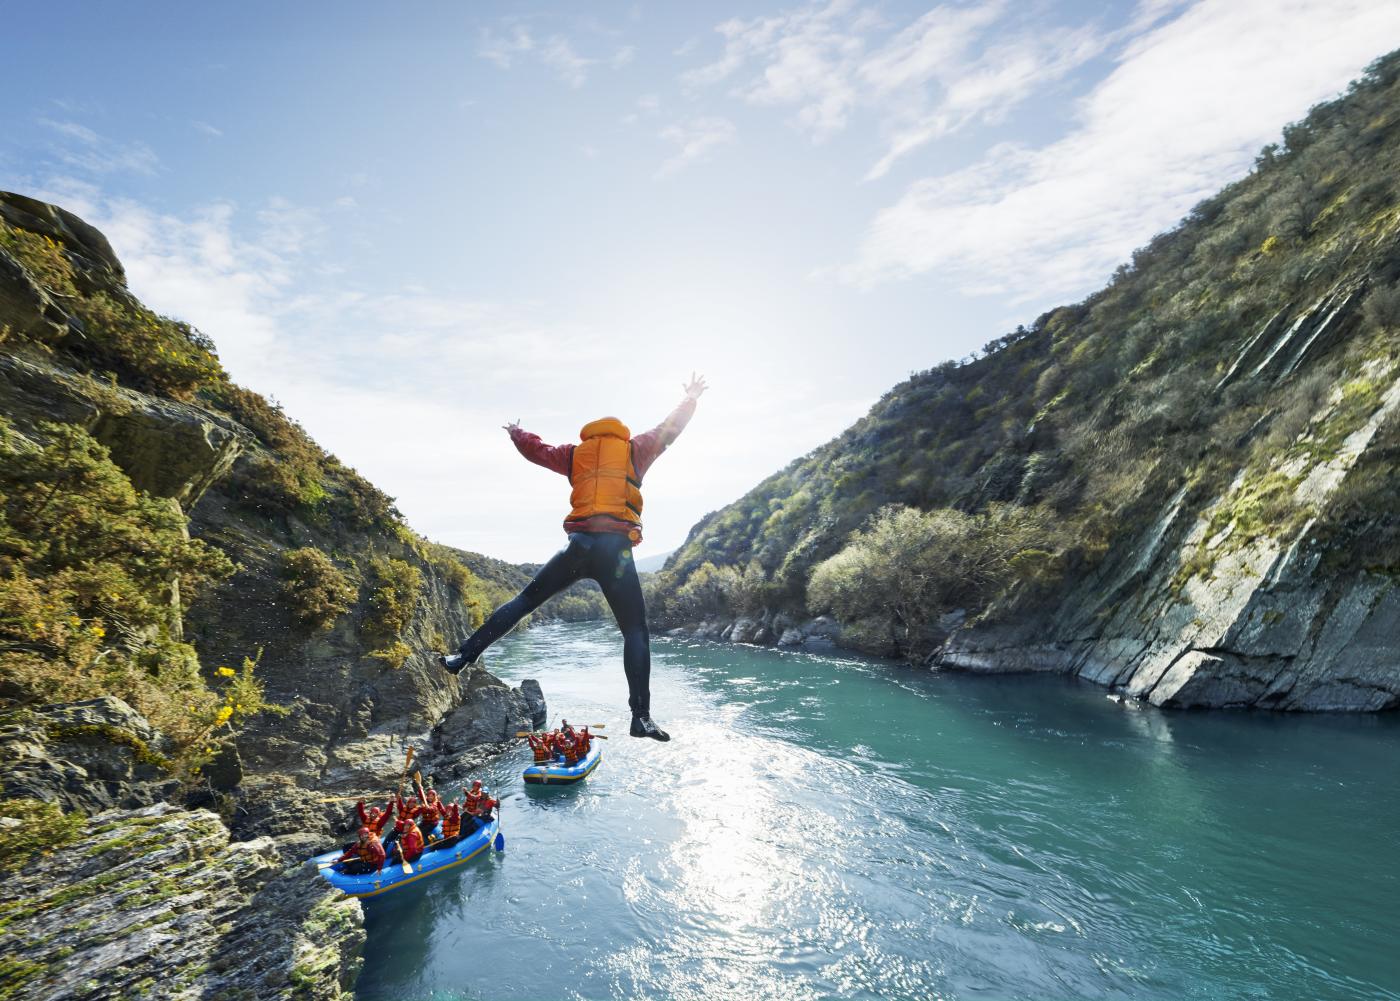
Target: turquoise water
{"points": [[824, 828]]}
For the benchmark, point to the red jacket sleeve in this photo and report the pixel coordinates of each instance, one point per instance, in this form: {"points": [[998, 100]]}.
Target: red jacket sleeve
{"points": [[554, 457], [650, 444], [364, 817]]}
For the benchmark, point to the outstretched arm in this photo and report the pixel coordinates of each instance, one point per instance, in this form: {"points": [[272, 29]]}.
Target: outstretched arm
{"points": [[650, 444], [553, 457]]}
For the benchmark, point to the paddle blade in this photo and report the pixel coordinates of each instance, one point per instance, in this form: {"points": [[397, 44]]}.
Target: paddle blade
{"points": [[500, 842]]}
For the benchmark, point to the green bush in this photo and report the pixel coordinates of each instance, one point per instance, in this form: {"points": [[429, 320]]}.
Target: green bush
{"points": [[43, 828], [394, 654], [150, 352], [908, 567], [316, 589], [90, 571], [395, 586], [706, 593]]}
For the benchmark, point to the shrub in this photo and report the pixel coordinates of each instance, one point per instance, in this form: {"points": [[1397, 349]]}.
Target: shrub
{"points": [[1383, 306], [394, 654], [43, 828], [467, 585], [318, 591], [91, 575], [908, 567], [396, 585], [291, 478], [706, 593]]}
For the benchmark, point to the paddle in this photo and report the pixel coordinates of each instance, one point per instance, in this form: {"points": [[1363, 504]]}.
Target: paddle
{"points": [[530, 733], [500, 838], [404, 777]]}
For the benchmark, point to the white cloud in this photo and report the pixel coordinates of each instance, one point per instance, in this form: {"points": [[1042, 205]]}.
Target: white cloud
{"points": [[953, 65], [206, 128], [1186, 108], [695, 140], [647, 105], [560, 56], [502, 49], [82, 148], [556, 52]]}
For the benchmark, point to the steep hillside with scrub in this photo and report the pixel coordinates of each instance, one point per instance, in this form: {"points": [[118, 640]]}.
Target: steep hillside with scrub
{"points": [[199, 607], [1184, 486]]}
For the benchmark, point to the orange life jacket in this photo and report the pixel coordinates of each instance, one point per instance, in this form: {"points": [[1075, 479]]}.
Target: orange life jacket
{"points": [[602, 473], [410, 842], [451, 822], [473, 802]]}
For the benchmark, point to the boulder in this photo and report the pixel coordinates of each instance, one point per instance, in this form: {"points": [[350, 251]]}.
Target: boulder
{"points": [[534, 701], [85, 756]]}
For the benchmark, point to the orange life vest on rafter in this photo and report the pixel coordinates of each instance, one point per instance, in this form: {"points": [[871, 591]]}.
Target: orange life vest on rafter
{"points": [[602, 473]]}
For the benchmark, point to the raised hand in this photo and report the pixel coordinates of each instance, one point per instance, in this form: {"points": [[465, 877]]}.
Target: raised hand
{"points": [[513, 426], [695, 387]]}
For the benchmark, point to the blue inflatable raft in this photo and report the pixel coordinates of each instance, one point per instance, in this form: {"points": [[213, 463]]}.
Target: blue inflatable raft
{"points": [[558, 773], [392, 876]]}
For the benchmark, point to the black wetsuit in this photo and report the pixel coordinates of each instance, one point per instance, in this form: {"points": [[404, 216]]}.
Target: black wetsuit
{"points": [[607, 558]]}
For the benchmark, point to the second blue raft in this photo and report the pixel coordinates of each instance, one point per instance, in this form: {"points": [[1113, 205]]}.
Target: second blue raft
{"points": [[558, 773]]}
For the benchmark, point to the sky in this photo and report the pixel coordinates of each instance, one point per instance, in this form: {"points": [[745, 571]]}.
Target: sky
{"points": [[413, 223]]}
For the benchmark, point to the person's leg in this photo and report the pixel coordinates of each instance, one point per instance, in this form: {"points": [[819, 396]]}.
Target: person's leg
{"points": [[616, 573], [563, 568]]}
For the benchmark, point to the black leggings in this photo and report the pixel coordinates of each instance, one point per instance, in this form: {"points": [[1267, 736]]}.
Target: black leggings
{"points": [[607, 558]]}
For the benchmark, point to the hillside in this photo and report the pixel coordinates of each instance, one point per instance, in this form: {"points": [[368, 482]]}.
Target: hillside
{"points": [[1184, 486], [199, 607]]}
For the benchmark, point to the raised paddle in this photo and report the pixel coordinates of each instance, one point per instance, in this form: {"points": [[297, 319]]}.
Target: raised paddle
{"points": [[408, 760]]}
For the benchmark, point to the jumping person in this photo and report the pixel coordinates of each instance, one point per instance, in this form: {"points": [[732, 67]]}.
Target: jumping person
{"points": [[605, 522]]}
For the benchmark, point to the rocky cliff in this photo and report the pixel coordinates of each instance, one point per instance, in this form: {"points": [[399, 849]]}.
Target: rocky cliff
{"points": [[1184, 487], [199, 607], [161, 903]]}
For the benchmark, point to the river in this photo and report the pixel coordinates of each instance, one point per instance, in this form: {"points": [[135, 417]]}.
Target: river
{"points": [[826, 827]]}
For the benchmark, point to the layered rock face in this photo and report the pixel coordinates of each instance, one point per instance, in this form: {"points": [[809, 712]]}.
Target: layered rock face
{"points": [[160, 903], [1192, 613]]}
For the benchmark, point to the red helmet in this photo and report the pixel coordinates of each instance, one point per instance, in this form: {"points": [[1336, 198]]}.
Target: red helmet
{"points": [[476, 783], [364, 832], [399, 825]]}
